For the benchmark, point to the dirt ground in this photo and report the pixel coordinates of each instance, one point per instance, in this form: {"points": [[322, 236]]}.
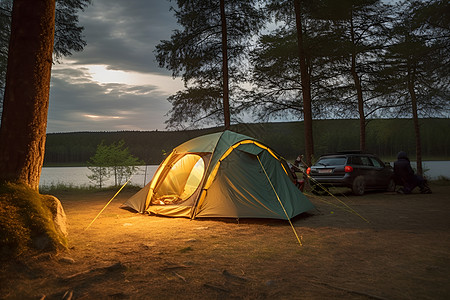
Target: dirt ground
{"points": [[402, 252]]}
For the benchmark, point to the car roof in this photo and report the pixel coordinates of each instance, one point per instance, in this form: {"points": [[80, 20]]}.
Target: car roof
{"points": [[347, 153]]}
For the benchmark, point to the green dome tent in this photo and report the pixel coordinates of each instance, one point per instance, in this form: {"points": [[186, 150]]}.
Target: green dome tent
{"points": [[223, 174]]}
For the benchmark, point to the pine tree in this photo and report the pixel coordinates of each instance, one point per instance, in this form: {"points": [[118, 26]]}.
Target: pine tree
{"points": [[208, 54], [68, 34], [283, 65], [24, 119], [414, 74]]}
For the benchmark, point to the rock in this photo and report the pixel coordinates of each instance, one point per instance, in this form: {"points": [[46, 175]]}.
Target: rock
{"points": [[58, 214], [43, 240], [67, 260]]}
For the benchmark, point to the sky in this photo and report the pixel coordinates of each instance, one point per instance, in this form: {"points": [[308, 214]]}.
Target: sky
{"points": [[115, 83]]}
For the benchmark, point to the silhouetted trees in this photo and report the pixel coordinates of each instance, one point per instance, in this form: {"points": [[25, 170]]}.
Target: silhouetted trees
{"points": [[305, 82], [414, 72], [384, 137], [346, 45], [353, 31], [208, 52], [309, 59]]}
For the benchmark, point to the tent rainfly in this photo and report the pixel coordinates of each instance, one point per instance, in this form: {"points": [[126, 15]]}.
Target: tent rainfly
{"points": [[223, 174]]}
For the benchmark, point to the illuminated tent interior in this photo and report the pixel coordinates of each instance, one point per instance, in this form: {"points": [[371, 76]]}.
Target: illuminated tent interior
{"points": [[223, 174]]}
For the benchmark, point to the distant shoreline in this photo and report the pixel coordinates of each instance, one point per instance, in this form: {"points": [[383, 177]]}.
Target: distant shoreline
{"points": [[384, 137]]}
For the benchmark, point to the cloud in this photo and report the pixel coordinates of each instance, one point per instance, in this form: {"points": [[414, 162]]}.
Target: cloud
{"points": [[115, 83], [77, 103], [124, 34]]}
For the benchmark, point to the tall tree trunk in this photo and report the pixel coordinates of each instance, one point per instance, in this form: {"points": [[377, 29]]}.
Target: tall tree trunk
{"points": [[25, 107], [412, 93], [306, 86], [226, 101], [357, 82]]}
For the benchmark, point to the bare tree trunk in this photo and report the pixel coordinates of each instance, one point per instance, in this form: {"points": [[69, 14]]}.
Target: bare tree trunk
{"points": [[25, 107], [412, 93], [306, 86], [357, 82], [226, 101]]}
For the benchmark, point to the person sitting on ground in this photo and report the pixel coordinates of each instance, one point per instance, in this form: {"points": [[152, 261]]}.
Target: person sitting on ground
{"points": [[404, 175]]}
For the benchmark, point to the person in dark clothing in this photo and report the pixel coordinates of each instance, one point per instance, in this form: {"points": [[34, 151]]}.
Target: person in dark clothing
{"points": [[404, 175]]}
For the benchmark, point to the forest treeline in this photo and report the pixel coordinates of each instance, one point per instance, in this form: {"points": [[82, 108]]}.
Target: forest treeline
{"points": [[385, 137]]}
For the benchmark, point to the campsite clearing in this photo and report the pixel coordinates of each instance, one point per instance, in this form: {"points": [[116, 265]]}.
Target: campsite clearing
{"points": [[403, 253]]}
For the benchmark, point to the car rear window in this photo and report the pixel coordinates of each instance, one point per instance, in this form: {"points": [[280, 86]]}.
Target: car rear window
{"points": [[331, 161]]}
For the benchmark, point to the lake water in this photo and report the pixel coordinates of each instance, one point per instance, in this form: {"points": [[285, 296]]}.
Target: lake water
{"points": [[434, 169], [77, 176]]}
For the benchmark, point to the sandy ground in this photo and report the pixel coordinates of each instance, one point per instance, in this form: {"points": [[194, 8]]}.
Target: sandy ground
{"points": [[402, 252]]}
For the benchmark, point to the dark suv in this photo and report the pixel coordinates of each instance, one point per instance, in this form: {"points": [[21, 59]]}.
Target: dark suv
{"points": [[355, 170]]}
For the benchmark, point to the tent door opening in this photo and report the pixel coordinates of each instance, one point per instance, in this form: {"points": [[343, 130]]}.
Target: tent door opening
{"points": [[181, 181]]}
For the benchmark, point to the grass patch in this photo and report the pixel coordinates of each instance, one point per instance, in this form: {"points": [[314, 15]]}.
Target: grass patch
{"points": [[62, 187], [26, 222], [441, 180], [64, 165]]}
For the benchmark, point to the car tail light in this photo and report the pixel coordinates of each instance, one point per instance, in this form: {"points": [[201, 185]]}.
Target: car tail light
{"points": [[308, 171], [348, 169]]}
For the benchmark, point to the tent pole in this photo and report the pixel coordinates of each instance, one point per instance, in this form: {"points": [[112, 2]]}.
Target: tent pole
{"points": [[145, 175]]}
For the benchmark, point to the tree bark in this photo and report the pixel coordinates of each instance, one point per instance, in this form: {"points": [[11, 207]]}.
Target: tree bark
{"points": [[226, 100], [306, 86], [25, 107], [358, 87], [412, 93]]}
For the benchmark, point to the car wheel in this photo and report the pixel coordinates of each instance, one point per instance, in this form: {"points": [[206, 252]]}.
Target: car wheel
{"points": [[358, 186], [391, 185]]}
